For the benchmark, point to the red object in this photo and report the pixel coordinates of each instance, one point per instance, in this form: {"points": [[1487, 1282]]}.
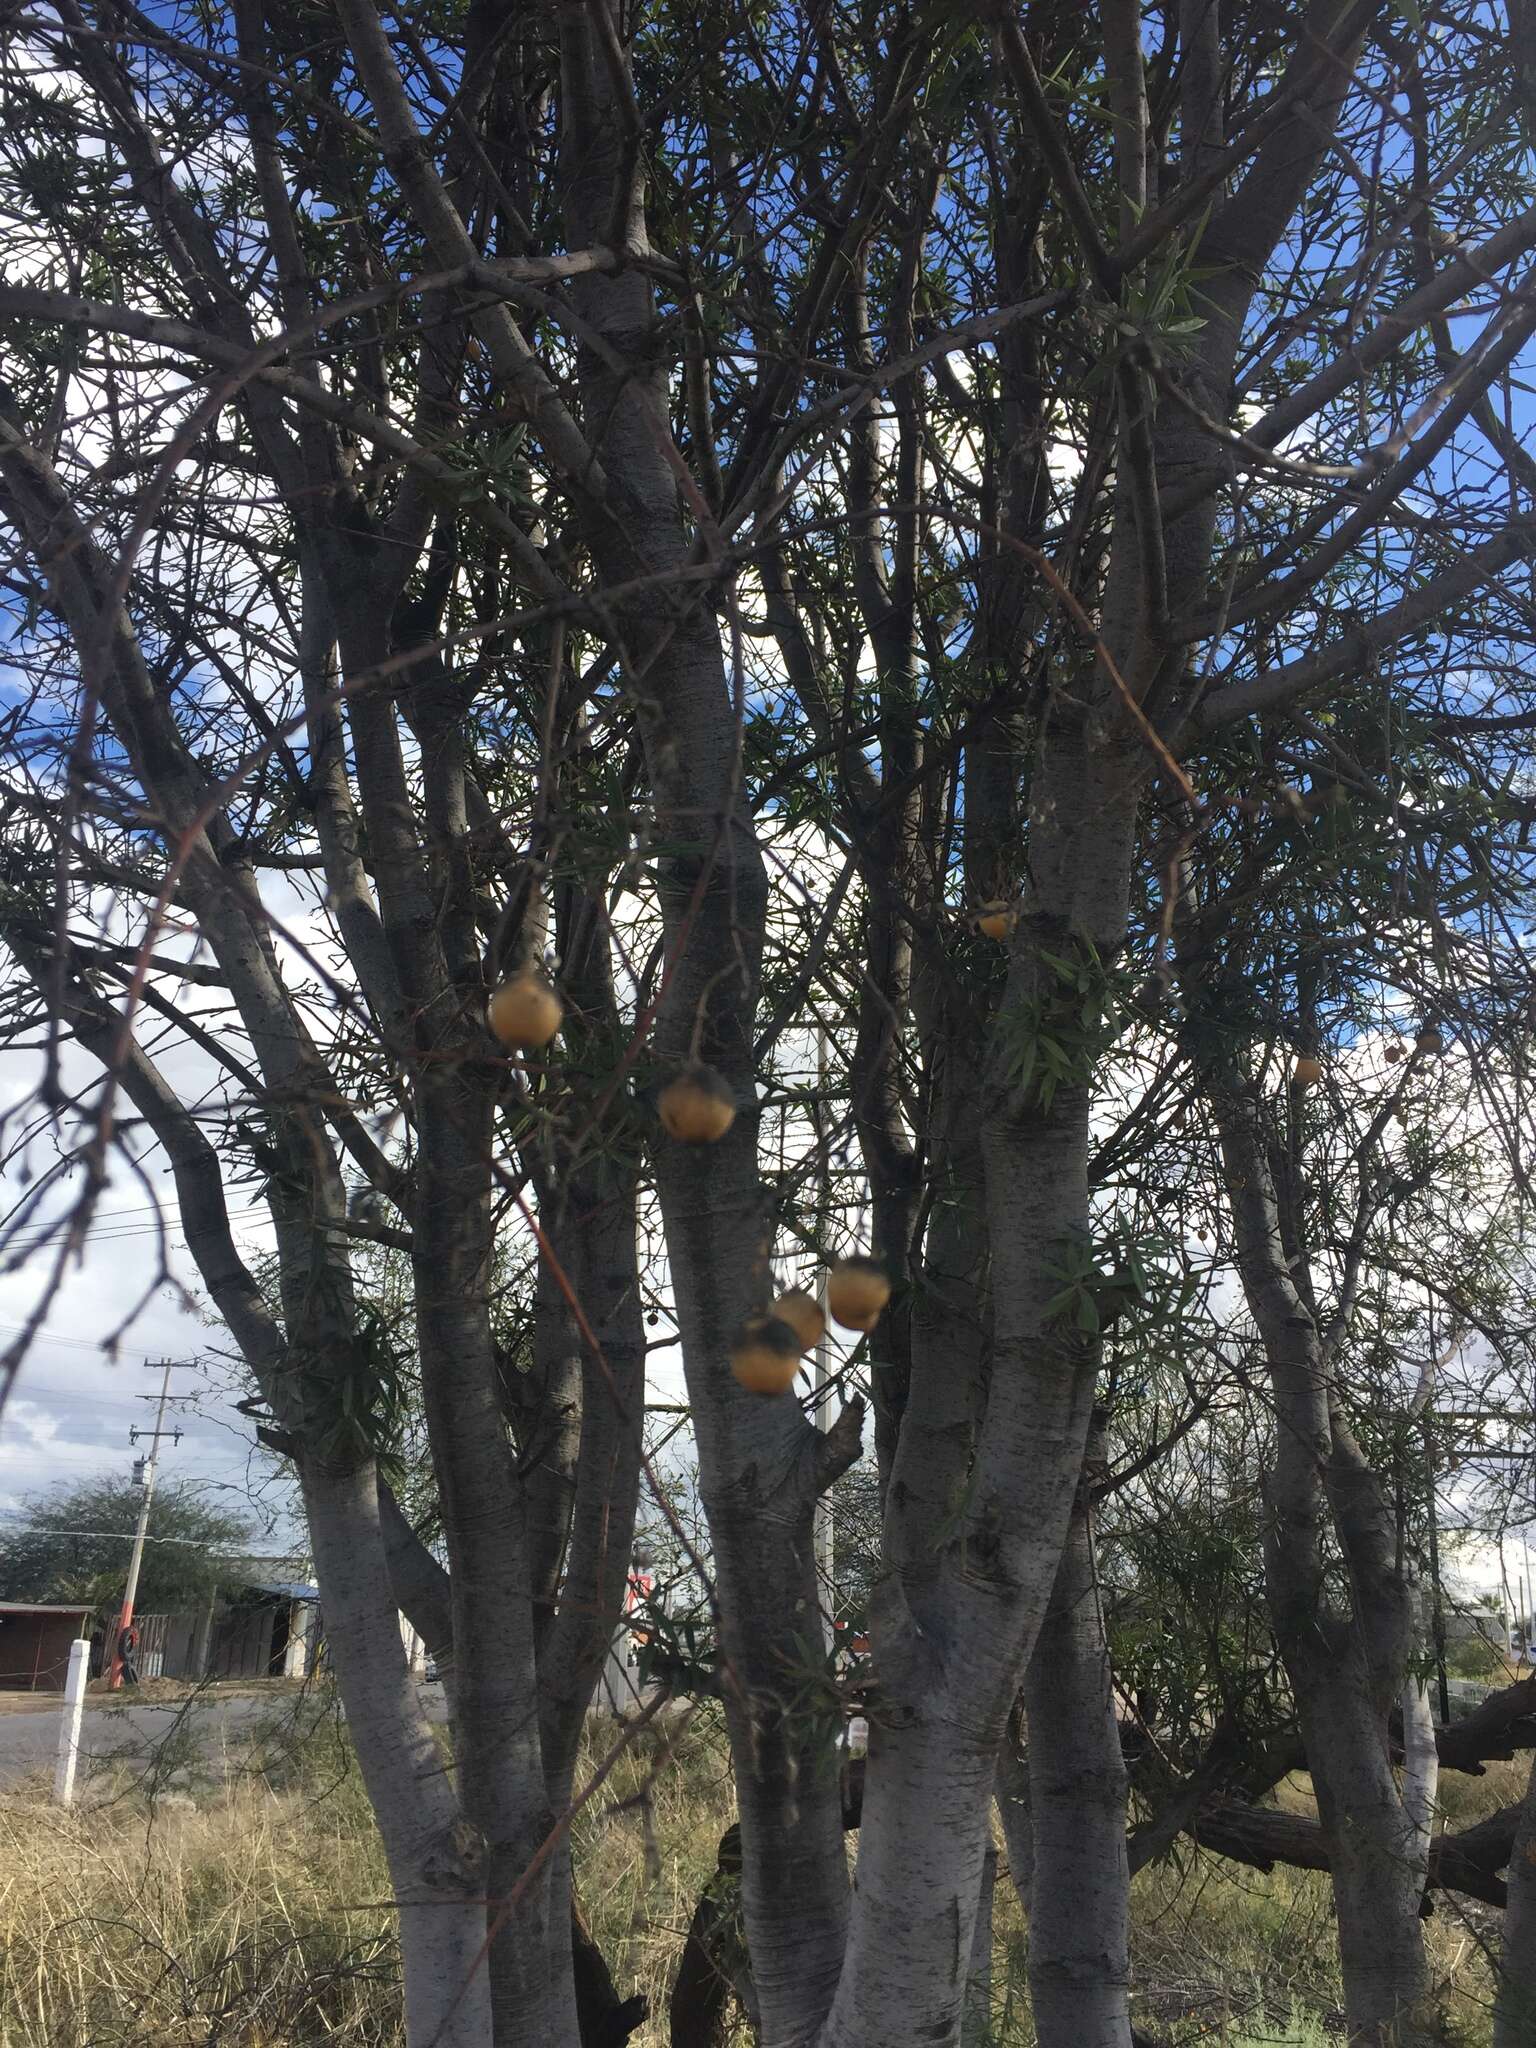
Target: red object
{"points": [[125, 1629], [637, 1591]]}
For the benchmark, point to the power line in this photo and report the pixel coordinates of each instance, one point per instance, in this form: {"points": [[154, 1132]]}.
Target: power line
{"points": [[96, 1344], [191, 1542], [35, 1236]]}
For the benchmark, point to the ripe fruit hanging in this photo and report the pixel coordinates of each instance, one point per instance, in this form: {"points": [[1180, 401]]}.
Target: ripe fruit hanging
{"points": [[697, 1105], [1429, 1040], [803, 1314], [765, 1355], [997, 920], [525, 1011], [857, 1290], [1307, 1071], [1393, 1054]]}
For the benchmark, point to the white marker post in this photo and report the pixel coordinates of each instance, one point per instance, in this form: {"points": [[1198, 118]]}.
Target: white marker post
{"points": [[69, 1722]]}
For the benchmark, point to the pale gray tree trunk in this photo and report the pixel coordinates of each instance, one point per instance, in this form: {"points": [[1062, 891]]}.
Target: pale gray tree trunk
{"points": [[436, 1864], [1079, 1904], [761, 1463], [495, 1691], [1514, 2011], [419, 946], [1378, 1874], [1347, 1666], [428, 909], [950, 1645], [951, 1639], [590, 1253]]}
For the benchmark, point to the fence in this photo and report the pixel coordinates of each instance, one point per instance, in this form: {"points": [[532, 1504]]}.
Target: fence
{"points": [[266, 1641]]}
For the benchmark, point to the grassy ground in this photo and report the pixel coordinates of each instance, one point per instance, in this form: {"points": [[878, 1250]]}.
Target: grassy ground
{"points": [[152, 1692], [250, 1911]]}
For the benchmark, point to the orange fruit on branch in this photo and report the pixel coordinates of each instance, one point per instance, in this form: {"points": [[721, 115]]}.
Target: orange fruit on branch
{"points": [[765, 1355], [803, 1313], [697, 1105], [997, 920], [524, 1012], [857, 1290]]}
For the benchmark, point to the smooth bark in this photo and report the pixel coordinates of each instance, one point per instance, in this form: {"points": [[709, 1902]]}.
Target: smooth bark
{"points": [[761, 1464], [1079, 1901], [1346, 1665], [437, 1865], [1514, 2010]]}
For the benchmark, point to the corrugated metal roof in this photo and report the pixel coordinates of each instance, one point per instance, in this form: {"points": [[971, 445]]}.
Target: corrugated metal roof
{"points": [[32, 1607]]}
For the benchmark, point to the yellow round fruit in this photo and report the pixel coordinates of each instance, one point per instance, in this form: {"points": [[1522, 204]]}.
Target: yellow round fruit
{"points": [[765, 1355], [857, 1290], [1429, 1040], [997, 920], [697, 1106], [803, 1313], [1307, 1071], [525, 1011]]}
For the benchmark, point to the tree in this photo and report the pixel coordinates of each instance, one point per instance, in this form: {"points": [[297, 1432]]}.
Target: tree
{"points": [[756, 504], [73, 1543]]}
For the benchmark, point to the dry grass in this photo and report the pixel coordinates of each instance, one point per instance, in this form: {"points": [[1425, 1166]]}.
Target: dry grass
{"points": [[246, 1911], [644, 1856], [248, 1916]]}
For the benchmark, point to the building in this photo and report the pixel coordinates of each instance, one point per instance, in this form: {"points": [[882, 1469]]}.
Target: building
{"points": [[249, 1629], [620, 1689], [253, 1631], [34, 1644], [267, 1631]]}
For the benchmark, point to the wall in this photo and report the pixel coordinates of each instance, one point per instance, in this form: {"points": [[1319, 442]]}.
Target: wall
{"points": [[34, 1650]]}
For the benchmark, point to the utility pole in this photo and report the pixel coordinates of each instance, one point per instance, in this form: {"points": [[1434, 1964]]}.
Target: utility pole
{"points": [[823, 1511], [150, 1463], [822, 1539]]}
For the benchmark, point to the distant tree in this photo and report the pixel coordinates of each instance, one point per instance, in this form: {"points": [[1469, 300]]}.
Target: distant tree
{"points": [[1475, 1657], [73, 1546]]}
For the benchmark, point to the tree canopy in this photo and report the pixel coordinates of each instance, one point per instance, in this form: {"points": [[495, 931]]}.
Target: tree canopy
{"points": [[956, 586], [73, 1542]]}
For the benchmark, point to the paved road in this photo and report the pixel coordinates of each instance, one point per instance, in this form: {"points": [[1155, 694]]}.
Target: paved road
{"points": [[30, 1741]]}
